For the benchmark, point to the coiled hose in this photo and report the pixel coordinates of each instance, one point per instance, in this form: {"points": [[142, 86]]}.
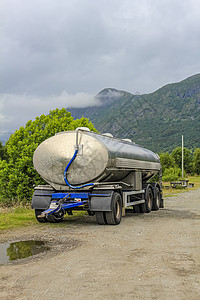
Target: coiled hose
{"points": [[65, 174]]}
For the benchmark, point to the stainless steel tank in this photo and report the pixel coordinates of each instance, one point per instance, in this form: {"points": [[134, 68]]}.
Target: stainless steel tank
{"points": [[100, 158]]}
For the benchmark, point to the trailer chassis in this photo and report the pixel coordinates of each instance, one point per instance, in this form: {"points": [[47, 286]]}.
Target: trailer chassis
{"points": [[107, 202]]}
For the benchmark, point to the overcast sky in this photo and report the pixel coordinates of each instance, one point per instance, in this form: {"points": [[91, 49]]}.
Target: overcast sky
{"points": [[59, 53]]}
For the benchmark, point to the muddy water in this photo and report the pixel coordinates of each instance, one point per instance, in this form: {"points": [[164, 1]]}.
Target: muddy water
{"points": [[21, 249]]}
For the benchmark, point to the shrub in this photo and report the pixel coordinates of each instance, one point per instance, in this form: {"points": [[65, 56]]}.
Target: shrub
{"points": [[197, 161], [171, 174], [17, 175]]}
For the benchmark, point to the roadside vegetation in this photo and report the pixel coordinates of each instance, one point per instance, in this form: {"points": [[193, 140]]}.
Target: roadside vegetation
{"points": [[172, 163], [17, 175], [171, 169], [20, 216], [11, 218], [167, 190]]}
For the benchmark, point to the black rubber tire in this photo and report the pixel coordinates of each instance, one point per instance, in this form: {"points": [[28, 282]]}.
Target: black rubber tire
{"points": [[91, 213], [56, 217], [157, 199], [37, 213], [136, 209], [100, 217], [114, 217], [148, 205]]}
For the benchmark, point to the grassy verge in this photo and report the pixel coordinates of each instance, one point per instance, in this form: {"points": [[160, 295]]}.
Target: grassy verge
{"points": [[193, 179], [16, 217]]}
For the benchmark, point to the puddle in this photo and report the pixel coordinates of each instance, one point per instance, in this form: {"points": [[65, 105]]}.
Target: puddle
{"points": [[22, 249]]}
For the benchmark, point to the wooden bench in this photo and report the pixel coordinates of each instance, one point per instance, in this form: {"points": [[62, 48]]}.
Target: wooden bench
{"points": [[184, 182], [166, 186], [175, 184], [191, 185]]}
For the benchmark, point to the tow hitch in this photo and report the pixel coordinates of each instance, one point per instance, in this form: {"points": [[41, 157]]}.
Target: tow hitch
{"points": [[56, 206]]}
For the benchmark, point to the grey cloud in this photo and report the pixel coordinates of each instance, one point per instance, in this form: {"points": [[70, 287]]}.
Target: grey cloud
{"points": [[84, 46], [26, 107]]}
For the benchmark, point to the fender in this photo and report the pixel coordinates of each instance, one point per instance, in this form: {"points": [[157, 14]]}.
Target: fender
{"points": [[101, 201], [41, 198]]}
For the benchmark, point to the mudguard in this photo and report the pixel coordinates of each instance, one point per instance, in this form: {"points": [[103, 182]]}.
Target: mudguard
{"points": [[101, 200], [41, 198]]}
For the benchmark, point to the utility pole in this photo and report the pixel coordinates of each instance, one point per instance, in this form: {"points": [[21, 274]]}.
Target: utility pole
{"points": [[182, 157]]}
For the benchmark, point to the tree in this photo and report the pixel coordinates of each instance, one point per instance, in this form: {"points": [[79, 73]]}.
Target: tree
{"points": [[167, 161], [197, 161], [171, 174], [2, 151], [170, 171], [17, 176], [187, 158]]}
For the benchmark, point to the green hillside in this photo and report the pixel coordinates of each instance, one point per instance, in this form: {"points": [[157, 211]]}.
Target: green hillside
{"points": [[156, 121]]}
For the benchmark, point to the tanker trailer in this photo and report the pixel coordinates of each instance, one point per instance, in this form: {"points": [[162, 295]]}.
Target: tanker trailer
{"points": [[96, 173]]}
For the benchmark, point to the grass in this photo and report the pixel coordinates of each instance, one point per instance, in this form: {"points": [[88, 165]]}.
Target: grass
{"points": [[195, 180], [192, 179], [11, 218], [16, 217]]}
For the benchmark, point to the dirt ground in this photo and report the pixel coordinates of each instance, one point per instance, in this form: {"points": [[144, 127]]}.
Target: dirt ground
{"points": [[147, 256]]}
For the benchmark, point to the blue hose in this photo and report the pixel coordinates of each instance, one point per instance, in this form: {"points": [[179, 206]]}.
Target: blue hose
{"points": [[65, 174]]}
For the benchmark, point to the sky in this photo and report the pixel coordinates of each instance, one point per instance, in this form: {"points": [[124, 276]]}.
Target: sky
{"points": [[63, 53]]}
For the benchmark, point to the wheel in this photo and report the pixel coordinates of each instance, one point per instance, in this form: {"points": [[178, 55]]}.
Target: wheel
{"points": [[157, 199], [147, 206], [56, 217], [38, 213], [114, 217], [136, 208], [91, 213], [100, 217]]}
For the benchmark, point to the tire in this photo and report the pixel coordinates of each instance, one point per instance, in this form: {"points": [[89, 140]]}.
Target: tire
{"points": [[148, 205], [56, 217], [114, 217], [38, 213], [100, 217], [157, 199], [136, 209], [91, 213]]}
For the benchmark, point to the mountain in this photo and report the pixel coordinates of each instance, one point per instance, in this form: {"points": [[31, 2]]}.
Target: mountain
{"points": [[156, 120]]}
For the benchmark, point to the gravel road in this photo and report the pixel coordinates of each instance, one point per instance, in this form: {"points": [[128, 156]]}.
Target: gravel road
{"points": [[147, 256]]}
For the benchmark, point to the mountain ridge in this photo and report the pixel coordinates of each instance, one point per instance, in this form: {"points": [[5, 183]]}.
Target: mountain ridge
{"points": [[156, 120]]}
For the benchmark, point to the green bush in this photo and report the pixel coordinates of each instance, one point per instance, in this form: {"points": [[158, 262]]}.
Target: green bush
{"points": [[17, 175], [197, 161], [187, 159], [171, 174], [167, 161], [2, 151]]}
